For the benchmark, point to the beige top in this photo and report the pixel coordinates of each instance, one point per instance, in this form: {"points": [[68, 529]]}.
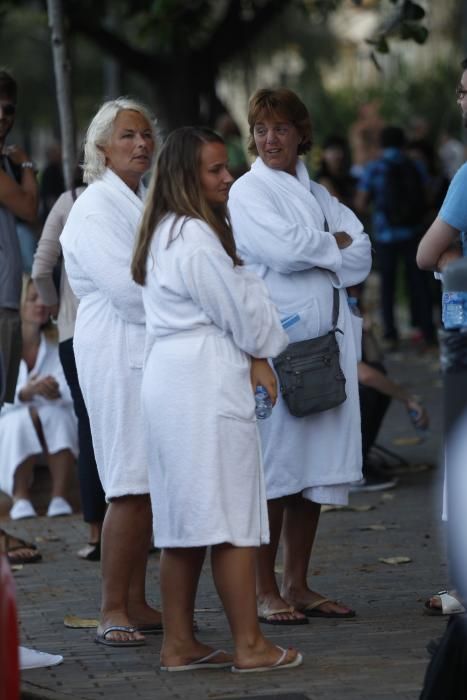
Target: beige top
{"points": [[45, 259]]}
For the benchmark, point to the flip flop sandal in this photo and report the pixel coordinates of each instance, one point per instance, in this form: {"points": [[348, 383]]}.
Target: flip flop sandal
{"points": [[101, 638], [10, 549], [311, 610], [449, 605], [278, 666], [267, 617], [91, 552], [203, 663]]}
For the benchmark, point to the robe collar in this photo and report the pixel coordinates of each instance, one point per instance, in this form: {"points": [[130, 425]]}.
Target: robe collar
{"points": [[116, 182], [289, 184]]}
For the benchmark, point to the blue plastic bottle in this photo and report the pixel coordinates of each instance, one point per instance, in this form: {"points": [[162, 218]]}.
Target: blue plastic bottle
{"points": [[263, 403], [454, 312]]}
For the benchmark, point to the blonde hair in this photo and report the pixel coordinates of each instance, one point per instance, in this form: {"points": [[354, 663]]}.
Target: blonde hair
{"points": [[100, 130], [176, 188]]}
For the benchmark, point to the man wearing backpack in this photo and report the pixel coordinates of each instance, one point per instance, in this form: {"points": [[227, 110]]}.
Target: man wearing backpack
{"points": [[395, 186]]}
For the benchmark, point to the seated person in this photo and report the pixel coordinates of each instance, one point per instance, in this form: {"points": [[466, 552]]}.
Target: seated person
{"points": [[41, 422], [376, 390]]}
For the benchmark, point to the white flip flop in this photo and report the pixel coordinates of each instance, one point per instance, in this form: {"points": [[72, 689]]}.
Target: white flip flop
{"points": [[277, 666]]}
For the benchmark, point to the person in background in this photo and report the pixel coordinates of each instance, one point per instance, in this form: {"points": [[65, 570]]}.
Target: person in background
{"points": [[303, 243], [108, 342], [64, 305], [41, 421], [17, 199], [211, 325], [52, 182], [334, 172], [226, 127], [395, 188]]}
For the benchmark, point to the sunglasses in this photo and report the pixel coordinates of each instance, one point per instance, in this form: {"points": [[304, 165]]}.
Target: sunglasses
{"points": [[8, 109]]}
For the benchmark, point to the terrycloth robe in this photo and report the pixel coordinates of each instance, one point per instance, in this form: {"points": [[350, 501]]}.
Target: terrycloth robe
{"points": [[18, 437], [278, 222], [204, 456], [109, 337]]}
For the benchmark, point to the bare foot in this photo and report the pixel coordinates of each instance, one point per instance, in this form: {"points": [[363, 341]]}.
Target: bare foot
{"points": [[144, 615], [307, 598], [192, 653], [119, 619], [263, 655], [267, 605]]}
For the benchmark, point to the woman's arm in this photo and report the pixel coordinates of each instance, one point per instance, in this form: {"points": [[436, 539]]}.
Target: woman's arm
{"points": [[439, 246]]}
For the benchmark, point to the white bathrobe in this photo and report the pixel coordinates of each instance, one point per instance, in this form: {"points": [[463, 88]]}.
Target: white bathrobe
{"points": [[18, 437], [109, 337], [206, 317], [279, 229]]}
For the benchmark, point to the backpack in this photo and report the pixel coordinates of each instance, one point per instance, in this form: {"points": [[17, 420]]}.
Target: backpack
{"points": [[403, 198]]}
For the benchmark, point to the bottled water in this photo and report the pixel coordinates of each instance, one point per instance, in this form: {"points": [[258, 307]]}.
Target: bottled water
{"points": [[423, 433], [454, 309], [263, 403], [455, 295]]}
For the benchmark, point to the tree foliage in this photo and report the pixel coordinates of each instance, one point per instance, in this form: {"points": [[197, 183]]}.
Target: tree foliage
{"points": [[179, 48]]}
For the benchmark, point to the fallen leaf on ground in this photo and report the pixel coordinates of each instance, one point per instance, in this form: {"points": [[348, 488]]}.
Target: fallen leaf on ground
{"points": [[395, 560], [373, 527], [415, 440], [359, 509], [76, 622]]}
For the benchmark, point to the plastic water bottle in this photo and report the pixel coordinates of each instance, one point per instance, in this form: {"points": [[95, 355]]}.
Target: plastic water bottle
{"points": [[455, 295], [263, 403], [423, 433]]}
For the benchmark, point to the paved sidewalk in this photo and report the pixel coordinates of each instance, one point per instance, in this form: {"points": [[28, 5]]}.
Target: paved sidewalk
{"points": [[380, 655]]}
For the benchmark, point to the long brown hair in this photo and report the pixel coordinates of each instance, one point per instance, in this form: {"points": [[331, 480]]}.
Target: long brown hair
{"points": [[175, 188]]}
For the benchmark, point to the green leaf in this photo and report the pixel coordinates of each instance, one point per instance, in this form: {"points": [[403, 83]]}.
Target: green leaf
{"points": [[411, 11], [382, 45], [414, 31]]}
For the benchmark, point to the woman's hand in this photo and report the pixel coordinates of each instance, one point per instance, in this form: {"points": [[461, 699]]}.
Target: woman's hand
{"points": [[343, 239], [40, 386], [263, 375]]}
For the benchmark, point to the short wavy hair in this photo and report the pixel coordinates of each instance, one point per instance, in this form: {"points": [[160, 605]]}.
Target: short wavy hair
{"points": [[280, 103], [100, 130]]}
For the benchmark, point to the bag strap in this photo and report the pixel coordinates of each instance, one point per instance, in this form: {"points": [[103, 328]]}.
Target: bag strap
{"points": [[335, 298]]}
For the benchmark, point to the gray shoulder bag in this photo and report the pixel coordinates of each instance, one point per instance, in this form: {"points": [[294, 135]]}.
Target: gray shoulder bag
{"points": [[310, 376]]}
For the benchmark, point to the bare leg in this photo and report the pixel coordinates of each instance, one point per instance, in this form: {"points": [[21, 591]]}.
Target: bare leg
{"points": [[95, 530], [125, 525], [300, 524], [60, 465], [139, 612], [180, 572], [23, 479], [267, 590], [234, 575]]}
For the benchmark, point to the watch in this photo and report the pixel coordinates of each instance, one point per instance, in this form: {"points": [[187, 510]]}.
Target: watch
{"points": [[28, 164]]}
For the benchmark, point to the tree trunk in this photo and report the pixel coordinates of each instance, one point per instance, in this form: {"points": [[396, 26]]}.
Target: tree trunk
{"points": [[62, 68]]}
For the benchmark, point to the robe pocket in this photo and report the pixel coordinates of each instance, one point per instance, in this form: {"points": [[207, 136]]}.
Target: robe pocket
{"points": [[301, 324], [135, 335], [235, 393], [357, 330]]}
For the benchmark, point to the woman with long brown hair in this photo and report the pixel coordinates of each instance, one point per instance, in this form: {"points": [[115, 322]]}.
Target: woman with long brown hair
{"points": [[206, 316]]}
